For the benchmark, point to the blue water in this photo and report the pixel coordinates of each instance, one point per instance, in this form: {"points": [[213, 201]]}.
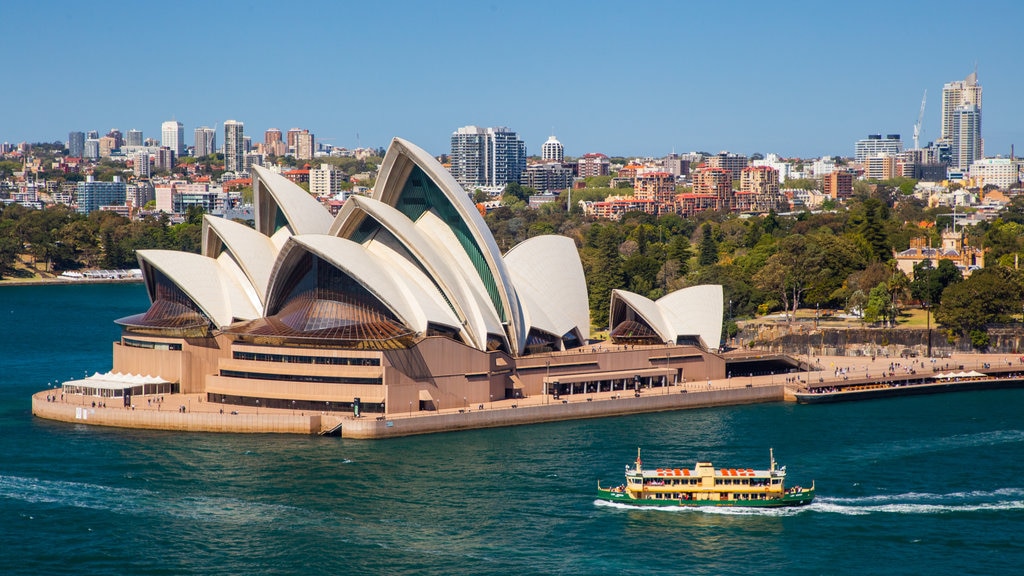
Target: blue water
{"points": [[921, 485]]}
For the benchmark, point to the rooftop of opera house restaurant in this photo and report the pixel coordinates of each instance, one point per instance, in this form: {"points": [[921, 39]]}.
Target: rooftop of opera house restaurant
{"points": [[398, 316]]}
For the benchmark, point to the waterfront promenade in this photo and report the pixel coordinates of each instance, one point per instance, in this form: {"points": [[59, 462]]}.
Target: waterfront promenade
{"points": [[192, 413]]}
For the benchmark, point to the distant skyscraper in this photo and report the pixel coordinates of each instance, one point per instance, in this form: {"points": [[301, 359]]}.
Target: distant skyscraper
{"points": [[164, 159], [91, 150], [76, 144], [304, 145], [552, 150], [172, 135], [141, 163], [486, 156], [134, 138], [293, 139], [118, 138], [273, 144], [206, 141], [966, 143], [270, 136], [234, 146], [957, 94], [92, 134]]}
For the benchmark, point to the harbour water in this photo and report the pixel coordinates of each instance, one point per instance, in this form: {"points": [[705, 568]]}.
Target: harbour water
{"points": [[916, 485]]}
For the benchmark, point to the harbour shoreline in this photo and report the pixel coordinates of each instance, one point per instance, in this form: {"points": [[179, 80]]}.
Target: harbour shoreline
{"points": [[193, 413]]}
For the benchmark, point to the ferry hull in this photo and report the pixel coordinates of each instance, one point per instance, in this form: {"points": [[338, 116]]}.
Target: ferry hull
{"points": [[798, 499], [906, 390]]}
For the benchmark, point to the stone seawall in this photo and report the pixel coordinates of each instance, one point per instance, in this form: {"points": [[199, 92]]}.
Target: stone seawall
{"points": [[577, 408], [801, 338], [170, 419], [528, 411]]}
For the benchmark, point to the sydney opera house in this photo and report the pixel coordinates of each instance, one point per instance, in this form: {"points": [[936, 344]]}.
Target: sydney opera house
{"points": [[403, 302]]}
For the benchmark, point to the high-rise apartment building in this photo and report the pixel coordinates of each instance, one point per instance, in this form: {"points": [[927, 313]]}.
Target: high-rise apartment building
{"points": [[547, 177], [966, 141], [92, 194], [593, 164], [838, 184], [91, 149], [164, 159], [715, 182], [172, 135], [762, 185], [140, 163], [118, 138], [880, 167], [107, 145], [271, 136], [676, 165], [234, 146], [76, 144], [325, 180], [292, 139], [965, 92], [732, 163], [304, 145], [657, 186], [874, 145], [206, 141], [552, 150], [486, 156], [134, 138]]}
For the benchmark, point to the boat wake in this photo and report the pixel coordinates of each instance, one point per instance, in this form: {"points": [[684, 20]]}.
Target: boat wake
{"points": [[924, 503], [135, 501]]}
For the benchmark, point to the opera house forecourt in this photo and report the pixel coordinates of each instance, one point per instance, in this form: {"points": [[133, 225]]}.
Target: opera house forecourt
{"points": [[399, 316]]}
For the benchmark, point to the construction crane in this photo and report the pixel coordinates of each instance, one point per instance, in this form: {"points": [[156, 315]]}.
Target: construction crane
{"points": [[920, 118]]}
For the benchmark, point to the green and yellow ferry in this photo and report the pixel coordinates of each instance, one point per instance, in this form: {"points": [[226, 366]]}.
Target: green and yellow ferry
{"points": [[705, 485]]}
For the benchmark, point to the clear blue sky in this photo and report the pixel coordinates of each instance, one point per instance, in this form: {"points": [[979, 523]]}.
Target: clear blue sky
{"points": [[623, 78]]}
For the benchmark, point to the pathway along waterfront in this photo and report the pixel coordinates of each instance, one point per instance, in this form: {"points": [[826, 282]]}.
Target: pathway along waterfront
{"points": [[192, 413]]}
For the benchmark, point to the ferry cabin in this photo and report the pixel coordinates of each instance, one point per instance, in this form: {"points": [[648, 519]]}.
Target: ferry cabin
{"points": [[706, 483]]}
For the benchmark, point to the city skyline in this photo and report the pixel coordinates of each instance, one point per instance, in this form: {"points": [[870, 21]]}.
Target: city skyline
{"points": [[793, 80]]}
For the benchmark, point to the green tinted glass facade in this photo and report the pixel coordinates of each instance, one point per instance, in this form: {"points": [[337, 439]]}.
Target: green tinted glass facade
{"points": [[421, 194]]}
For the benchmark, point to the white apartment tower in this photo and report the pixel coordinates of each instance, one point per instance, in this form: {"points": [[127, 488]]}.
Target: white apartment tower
{"points": [[552, 150], [325, 180], [966, 144], [489, 157], [172, 135], [234, 146], [954, 95]]}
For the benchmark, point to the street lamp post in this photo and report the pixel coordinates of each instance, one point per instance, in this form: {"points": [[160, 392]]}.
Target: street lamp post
{"points": [[547, 375], [928, 313]]}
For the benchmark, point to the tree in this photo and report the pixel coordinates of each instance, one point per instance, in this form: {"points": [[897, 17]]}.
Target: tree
{"points": [[869, 222], [708, 251], [988, 295], [601, 263], [929, 281]]}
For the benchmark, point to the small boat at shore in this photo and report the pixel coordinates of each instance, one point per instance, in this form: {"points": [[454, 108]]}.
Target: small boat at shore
{"points": [[704, 485]]}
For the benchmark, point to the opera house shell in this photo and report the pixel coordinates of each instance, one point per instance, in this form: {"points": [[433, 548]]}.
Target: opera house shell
{"points": [[403, 301]]}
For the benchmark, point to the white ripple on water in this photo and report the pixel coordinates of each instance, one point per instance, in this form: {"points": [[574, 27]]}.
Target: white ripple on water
{"points": [[135, 501], [903, 448]]}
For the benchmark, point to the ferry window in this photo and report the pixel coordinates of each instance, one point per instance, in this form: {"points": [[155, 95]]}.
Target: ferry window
{"points": [[775, 481]]}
